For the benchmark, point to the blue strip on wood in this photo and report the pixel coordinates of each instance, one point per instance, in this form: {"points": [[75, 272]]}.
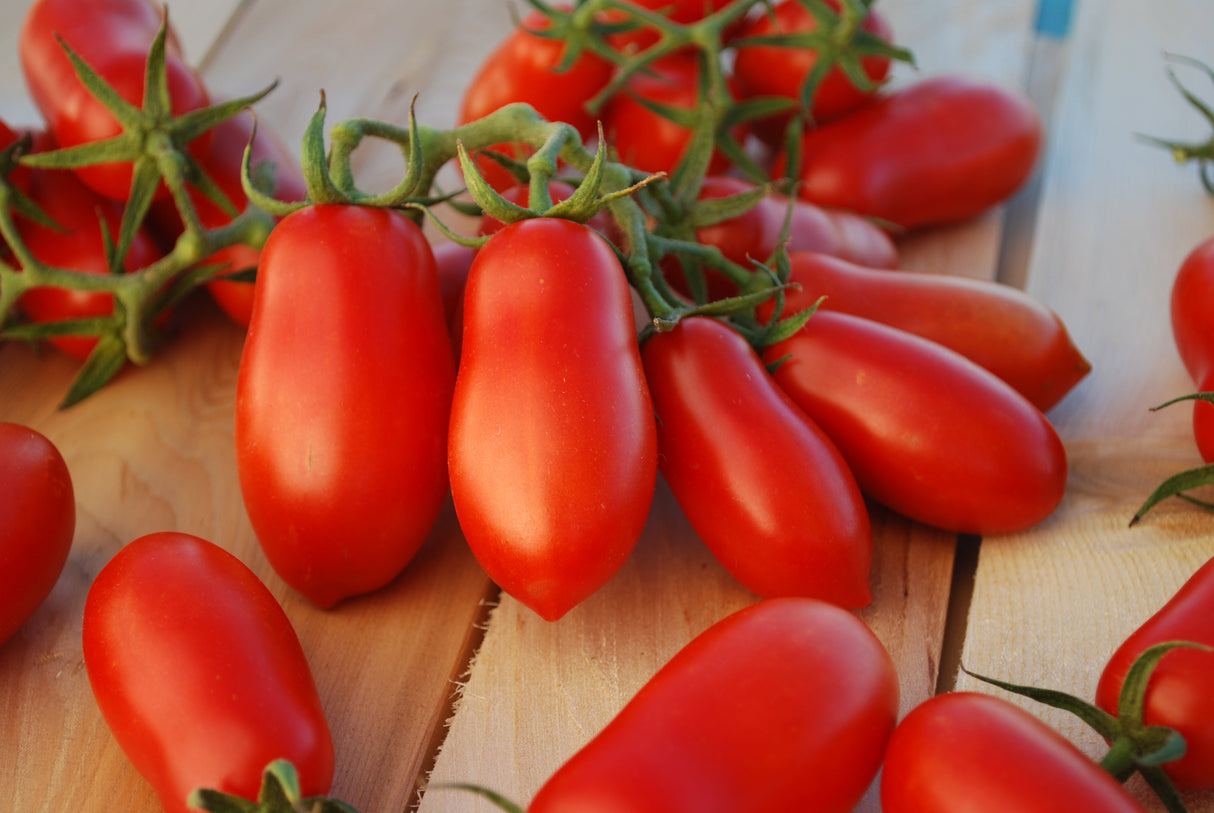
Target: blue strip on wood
{"points": [[1054, 17]]}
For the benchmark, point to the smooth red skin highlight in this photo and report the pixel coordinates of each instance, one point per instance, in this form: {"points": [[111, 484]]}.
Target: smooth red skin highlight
{"points": [[785, 705], [198, 672], [762, 485], [926, 432], [343, 398], [553, 449], [965, 751]]}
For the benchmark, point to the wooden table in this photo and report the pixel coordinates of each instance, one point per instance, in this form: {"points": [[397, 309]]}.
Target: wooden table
{"points": [[440, 677]]}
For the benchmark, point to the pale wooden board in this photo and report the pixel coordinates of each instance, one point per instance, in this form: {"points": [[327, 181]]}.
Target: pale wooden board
{"points": [[537, 691], [1115, 219]]}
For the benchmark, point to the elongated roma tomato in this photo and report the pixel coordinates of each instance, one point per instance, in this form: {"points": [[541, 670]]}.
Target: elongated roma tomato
{"points": [[927, 432], [785, 705], [553, 449], [1193, 330], [941, 150], [997, 326], [1179, 692], [113, 37], [342, 399], [966, 751], [198, 672], [762, 485], [37, 523]]}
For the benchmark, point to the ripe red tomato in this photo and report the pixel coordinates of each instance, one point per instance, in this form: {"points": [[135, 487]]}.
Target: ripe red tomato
{"points": [[996, 326], [772, 70], [81, 247], [967, 751], [198, 672], [941, 150], [519, 194], [755, 234], [113, 37], [553, 449], [784, 705], [645, 139], [222, 164], [523, 69], [927, 432], [342, 399], [37, 523], [453, 262], [1193, 331], [762, 485], [1178, 694]]}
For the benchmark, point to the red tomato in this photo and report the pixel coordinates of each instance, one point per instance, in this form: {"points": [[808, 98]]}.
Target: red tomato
{"points": [[37, 523], [966, 751], [523, 69], [223, 165], [762, 485], [553, 454], [785, 705], [755, 234], [996, 326], [1193, 330], [198, 672], [927, 432], [1178, 694], [113, 37], [1203, 421], [647, 140], [453, 262], [771, 70], [941, 150], [81, 212], [342, 399]]}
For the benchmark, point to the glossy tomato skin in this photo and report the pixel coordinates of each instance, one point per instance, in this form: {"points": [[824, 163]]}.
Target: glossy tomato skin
{"points": [[198, 672], [223, 165], [553, 448], [965, 751], [645, 139], [342, 399], [37, 522], [523, 68], [1178, 694], [113, 37], [784, 705], [770, 70], [761, 484], [941, 150], [926, 432], [996, 326], [1193, 331], [80, 247]]}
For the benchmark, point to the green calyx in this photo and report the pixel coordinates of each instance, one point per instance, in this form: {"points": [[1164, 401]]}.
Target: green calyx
{"points": [[1134, 746], [280, 793], [1184, 152], [1178, 484]]}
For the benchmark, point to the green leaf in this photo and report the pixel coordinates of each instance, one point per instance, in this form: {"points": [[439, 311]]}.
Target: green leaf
{"points": [[1174, 486], [107, 358], [279, 793]]}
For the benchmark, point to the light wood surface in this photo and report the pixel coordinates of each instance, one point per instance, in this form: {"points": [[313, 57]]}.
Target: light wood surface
{"points": [[437, 678]]}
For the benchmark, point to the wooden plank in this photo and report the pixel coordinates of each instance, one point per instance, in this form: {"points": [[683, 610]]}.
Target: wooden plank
{"points": [[1115, 220], [537, 691]]}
